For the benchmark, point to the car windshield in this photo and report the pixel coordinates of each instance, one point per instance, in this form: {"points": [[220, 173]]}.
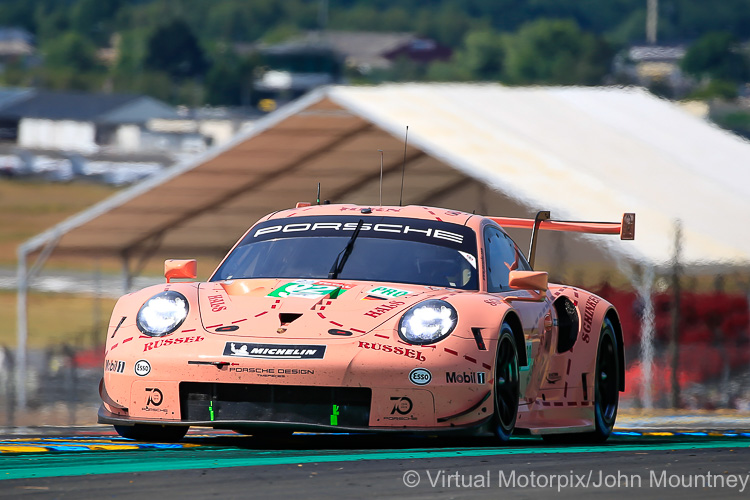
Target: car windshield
{"points": [[390, 249]]}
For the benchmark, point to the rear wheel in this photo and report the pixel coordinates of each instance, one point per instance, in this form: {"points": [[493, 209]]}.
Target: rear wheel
{"points": [[606, 392], [506, 384], [607, 386], [159, 433]]}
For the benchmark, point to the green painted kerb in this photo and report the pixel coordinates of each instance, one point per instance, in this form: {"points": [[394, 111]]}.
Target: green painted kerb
{"points": [[210, 457]]}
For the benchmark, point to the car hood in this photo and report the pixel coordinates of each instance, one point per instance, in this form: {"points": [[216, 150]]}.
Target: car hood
{"points": [[304, 309]]}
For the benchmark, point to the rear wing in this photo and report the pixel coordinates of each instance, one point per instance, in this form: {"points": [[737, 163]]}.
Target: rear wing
{"points": [[625, 228]]}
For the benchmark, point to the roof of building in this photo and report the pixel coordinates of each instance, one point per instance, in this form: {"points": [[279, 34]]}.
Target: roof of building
{"points": [[583, 153], [362, 47], [646, 53], [9, 96], [15, 34], [89, 107]]}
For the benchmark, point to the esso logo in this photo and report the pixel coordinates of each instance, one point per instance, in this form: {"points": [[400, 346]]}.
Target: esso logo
{"points": [[420, 376], [142, 368]]}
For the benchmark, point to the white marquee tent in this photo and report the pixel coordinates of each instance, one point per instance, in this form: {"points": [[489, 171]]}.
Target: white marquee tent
{"points": [[583, 153]]}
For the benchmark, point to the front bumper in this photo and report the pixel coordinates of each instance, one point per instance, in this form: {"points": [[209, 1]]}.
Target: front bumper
{"points": [[475, 428], [359, 385]]}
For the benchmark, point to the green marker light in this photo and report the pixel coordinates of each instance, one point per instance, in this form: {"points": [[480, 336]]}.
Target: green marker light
{"points": [[335, 415], [211, 410]]}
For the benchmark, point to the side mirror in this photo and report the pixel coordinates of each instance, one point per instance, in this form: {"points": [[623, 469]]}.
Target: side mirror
{"points": [[174, 268], [528, 280]]}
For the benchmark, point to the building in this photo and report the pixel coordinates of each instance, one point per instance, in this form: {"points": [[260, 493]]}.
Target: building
{"points": [[16, 46], [652, 65], [322, 58], [368, 51], [73, 121]]}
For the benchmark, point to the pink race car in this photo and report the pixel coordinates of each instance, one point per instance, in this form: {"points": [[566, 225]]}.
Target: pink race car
{"points": [[339, 318]]}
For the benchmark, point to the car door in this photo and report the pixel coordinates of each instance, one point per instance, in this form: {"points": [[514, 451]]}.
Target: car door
{"points": [[503, 256]]}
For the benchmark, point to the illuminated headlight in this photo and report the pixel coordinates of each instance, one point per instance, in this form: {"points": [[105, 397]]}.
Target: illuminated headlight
{"points": [[162, 314], [427, 322]]}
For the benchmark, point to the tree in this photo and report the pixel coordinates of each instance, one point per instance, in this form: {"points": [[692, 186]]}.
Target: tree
{"points": [[174, 49], [717, 56], [229, 81], [483, 54], [71, 51], [92, 17], [556, 52]]}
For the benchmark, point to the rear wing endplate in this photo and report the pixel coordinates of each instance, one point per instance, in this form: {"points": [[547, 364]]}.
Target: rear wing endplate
{"points": [[625, 228]]}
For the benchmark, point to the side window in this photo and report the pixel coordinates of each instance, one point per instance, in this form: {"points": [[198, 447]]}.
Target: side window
{"points": [[502, 257]]}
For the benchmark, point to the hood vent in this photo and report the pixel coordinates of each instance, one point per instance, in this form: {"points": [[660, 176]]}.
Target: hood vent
{"points": [[286, 318]]}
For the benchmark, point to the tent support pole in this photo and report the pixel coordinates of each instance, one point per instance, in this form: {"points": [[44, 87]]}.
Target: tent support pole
{"points": [[674, 334], [127, 278], [24, 277], [21, 329], [645, 290]]}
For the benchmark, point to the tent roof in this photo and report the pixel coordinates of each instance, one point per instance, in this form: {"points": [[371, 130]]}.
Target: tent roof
{"points": [[583, 153]]}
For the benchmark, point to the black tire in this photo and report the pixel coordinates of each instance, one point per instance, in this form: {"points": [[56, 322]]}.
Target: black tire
{"points": [[158, 433], [506, 385], [606, 392]]}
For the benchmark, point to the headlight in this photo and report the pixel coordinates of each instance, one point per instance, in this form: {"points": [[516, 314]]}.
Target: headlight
{"points": [[162, 314], [427, 322]]}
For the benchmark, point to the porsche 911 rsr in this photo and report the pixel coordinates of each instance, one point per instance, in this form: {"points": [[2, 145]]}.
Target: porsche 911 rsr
{"points": [[337, 318]]}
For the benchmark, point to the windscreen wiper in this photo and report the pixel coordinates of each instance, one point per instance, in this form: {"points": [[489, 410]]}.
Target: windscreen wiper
{"points": [[341, 258]]}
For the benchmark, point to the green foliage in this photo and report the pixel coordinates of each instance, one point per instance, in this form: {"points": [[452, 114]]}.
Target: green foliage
{"points": [[174, 49], [550, 51], [132, 51], [156, 84], [62, 78], [229, 82], [450, 71], [716, 89], [448, 25], [72, 51], [280, 34], [50, 23], [93, 18], [16, 75], [483, 55], [19, 14], [505, 40], [738, 121], [717, 55]]}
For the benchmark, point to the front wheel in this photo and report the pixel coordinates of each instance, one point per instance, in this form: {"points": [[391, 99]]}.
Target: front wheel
{"points": [[506, 384], [158, 433]]}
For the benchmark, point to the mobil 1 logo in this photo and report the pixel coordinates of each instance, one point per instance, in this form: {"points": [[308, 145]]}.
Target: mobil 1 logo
{"points": [[465, 377], [114, 366]]}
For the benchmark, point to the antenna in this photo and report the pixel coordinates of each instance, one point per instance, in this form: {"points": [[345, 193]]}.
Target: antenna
{"points": [[319, 193], [381, 177], [403, 169]]}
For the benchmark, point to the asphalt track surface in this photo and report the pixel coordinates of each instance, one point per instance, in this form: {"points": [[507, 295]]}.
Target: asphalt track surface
{"points": [[650, 464]]}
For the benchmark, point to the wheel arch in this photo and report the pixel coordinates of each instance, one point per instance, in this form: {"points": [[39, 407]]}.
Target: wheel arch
{"points": [[614, 318], [515, 325]]}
